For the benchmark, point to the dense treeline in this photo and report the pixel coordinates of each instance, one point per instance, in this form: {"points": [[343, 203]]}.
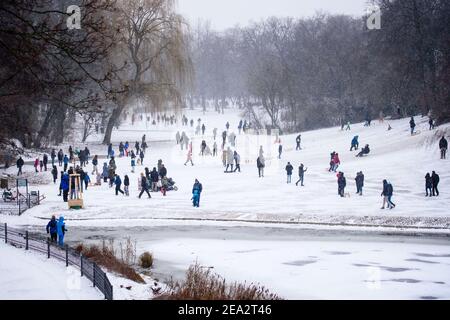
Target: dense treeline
{"points": [[303, 73], [125, 52], [310, 73]]}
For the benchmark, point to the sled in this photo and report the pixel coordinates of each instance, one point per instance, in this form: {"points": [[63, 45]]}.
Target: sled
{"points": [[416, 133]]}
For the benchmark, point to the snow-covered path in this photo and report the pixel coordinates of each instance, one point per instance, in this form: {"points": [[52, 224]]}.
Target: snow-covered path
{"points": [[26, 275]]}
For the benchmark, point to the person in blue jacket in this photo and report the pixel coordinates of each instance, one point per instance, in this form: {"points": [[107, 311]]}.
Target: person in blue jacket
{"points": [[66, 162], [355, 143], [105, 173], [64, 186], [87, 180], [61, 229], [52, 229], [118, 183], [196, 191]]}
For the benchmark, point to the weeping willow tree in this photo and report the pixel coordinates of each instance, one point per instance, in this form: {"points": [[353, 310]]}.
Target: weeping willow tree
{"points": [[152, 53]]}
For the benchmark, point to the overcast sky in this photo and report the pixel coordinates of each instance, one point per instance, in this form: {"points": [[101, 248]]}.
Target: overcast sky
{"points": [[228, 13]]}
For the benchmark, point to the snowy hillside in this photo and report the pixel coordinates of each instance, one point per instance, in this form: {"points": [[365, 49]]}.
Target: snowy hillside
{"points": [[395, 155]]}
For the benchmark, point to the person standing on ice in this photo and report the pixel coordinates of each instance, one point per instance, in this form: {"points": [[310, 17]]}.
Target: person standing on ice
{"points": [[435, 182], [215, 133], [60, 157], [237, 159], [342, 183], [141, 156], [280, 150], [110, 149], [55, 174], [45, 161], [227, 126], [412, 125], [224, 138], [359, 183], [178, 137], [260, 163], [203, 147], [215, 149], [301, 174], [61, 229], [86, 180], [154, 178], [144, 186], [95, 165], [126, 183], [387, 193], [355, 143], [298, 140], [118, 183], [126, 146], [240, 126], [230, 159], [203, 129], [289, 169], [20, 163], [189, 155], [428, 185], [137, 147], [196, 192], [36, 165], [443, 146], [53, 156], [64, 186]]}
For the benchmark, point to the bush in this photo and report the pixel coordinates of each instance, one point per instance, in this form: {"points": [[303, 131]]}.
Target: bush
{"points": [[105, 256], [202, 284], [146, 260]]}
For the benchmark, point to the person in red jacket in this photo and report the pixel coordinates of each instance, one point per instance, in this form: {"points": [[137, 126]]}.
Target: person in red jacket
{"points": [[336, 162], [36, 165]]}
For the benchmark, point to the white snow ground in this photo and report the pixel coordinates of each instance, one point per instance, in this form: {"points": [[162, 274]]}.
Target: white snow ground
{"points": [[395, 156], [26, 275]]}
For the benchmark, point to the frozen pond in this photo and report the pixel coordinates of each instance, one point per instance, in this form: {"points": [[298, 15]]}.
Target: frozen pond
{"points": [[297, 263]]}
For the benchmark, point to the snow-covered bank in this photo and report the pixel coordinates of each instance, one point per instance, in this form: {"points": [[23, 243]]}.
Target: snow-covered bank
{"points": [[26, 275]]}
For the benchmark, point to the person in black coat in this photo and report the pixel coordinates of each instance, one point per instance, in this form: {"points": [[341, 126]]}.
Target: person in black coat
{"points": [[154, 178], [289, 169], [359, 183], [428, 185], [60, 157], [435, 182], [126, 183], [301, 174], [342, 183], [144, 186], [412, 125], [53, 156], [45, 161], [20, 164], [55, 174], [163, 171], [443, 146], [52, 229]]}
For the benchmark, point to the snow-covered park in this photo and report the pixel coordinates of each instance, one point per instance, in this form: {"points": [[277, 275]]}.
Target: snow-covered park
{"points": [[300, 242]]}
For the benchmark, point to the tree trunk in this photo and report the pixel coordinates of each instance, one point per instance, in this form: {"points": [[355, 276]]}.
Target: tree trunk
{"points": [[112, 122], [43, 131], [60, 118]]}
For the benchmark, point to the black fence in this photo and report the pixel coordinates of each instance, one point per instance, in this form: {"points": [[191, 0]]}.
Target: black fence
{"points": [[89, 269], [20, 203]]}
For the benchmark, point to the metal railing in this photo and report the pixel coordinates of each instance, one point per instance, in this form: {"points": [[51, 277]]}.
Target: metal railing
{"points": [[19, 205], [88, 268]]}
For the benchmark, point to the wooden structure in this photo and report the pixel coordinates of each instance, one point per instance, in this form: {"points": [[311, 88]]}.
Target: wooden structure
{"points": [[75, 201]]}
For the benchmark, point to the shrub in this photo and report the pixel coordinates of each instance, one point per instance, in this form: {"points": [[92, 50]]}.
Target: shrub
{"points": [[201, 284], [146, 260], [106, 256]]}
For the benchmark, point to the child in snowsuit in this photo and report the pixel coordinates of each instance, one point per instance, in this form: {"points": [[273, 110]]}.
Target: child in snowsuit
{"points": [[61, 229], [341, 184], [52, 229], [359, 182], [196, 191]]}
